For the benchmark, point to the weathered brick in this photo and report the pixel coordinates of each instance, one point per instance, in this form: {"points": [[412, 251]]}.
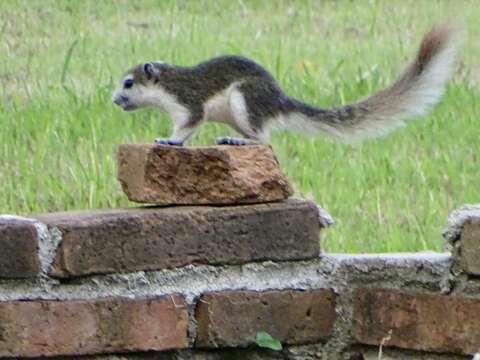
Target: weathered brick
{"points": [[463, 234], [48, 328], [18, 248], [155, 238], [372, 353], [426, 322], [469, 252], [170, 175], [230, 318]]}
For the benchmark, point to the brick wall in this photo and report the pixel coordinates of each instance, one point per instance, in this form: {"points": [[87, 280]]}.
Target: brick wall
{"points": [[202, 282], [223, 282]]}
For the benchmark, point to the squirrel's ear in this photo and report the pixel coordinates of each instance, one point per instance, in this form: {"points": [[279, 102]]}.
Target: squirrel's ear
{"points": [[150, 70]]}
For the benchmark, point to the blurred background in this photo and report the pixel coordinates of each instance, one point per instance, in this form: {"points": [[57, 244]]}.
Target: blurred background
{"points": [[60, 60]]}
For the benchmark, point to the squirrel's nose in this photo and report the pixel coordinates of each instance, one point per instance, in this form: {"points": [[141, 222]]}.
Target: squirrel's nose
{"points": [[120, 99]]}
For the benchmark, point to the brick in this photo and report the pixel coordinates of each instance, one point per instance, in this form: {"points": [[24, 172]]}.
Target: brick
{"points": [[469, 252], [294, 317], [99, 242], [372, 353], [463, 234], [52, 328], [18, 248], [168, 175], [436, 323]]}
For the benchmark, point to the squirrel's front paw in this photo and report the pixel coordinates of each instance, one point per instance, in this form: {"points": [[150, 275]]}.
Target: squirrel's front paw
{"points": [[168, 142]]}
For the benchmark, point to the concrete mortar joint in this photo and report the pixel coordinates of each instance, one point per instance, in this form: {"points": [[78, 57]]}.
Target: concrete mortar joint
{"points": [[325, 219], [49, 243], [457, 219]]}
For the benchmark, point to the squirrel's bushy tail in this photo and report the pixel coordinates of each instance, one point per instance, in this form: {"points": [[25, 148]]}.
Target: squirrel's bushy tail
{"points": [[417, 88]]}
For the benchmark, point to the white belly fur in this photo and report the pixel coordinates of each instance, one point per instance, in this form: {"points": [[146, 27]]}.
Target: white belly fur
{"points": [[218, 108]]}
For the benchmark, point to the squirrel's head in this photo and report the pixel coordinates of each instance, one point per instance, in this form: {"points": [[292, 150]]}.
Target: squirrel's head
{"points": [[139, 87]]}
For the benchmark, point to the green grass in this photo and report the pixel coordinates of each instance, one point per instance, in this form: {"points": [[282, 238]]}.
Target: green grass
{"points": [[59, 61]]}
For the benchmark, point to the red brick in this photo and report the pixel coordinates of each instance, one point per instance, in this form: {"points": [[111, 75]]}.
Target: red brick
{"points": [[294, 317], [48, 328], [18, 248], [108, 241], [436, 323]]}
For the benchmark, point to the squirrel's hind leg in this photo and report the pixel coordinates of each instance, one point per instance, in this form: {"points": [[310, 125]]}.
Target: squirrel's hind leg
{"points": [[242, 122], [227, 140]]}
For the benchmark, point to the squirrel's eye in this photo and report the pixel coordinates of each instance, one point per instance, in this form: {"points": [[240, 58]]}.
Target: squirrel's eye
{"points": [[127, 84]]}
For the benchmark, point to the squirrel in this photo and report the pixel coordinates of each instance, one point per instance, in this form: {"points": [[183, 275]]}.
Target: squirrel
{"points": [[241, 93]]}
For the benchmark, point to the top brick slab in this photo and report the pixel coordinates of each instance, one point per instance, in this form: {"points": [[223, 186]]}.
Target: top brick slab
{"points": [[171, 175]]}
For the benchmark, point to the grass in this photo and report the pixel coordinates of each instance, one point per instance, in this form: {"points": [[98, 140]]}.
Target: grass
{"points": [[59, 61]]}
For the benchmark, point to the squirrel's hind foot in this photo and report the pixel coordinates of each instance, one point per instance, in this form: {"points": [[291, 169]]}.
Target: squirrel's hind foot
{"points": [[235, 141]]}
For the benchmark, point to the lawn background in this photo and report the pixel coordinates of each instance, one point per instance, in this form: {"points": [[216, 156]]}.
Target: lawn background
{"points": [[60, 60]]}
